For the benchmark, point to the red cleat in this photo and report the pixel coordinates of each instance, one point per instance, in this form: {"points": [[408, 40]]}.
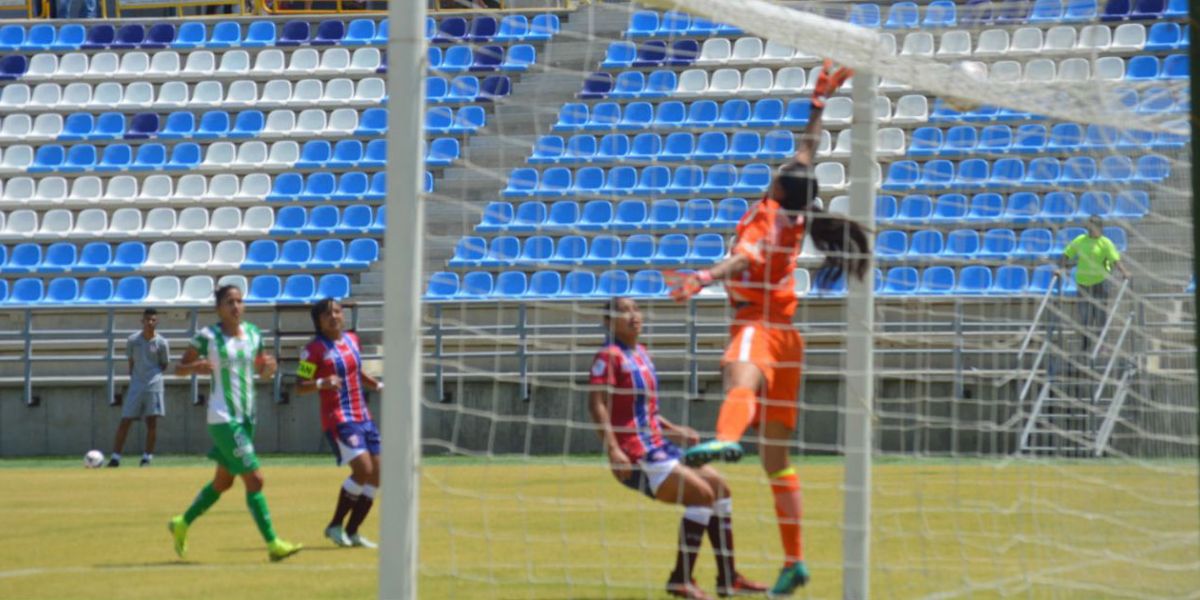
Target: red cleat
{"points": [[741, 587], [688, 590]]}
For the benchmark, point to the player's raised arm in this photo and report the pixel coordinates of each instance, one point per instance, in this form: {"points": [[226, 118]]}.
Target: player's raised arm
{"points": [[828, 82]]}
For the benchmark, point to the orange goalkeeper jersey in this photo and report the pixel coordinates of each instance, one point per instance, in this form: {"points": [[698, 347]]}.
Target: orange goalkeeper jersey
{"points": [[771, 240]]}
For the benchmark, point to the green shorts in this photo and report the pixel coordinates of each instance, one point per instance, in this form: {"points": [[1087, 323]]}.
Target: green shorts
{"points": [[233, 447]]}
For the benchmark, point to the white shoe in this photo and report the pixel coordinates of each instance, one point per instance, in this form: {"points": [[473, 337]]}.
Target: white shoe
{"points": [[362, 542], [338, 536]]}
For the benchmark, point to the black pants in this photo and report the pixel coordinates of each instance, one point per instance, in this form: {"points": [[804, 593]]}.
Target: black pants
{"points": [[1093, 310]]}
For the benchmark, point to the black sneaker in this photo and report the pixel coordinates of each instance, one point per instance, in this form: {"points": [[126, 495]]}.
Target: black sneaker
{"points": [[114, 462], [145, 462]]}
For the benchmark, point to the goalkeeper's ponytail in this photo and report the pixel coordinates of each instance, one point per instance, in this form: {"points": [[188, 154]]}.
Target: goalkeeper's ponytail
{"points": [[842, 241]]}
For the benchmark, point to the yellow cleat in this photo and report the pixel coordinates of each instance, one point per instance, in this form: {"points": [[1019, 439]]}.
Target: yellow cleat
{"points": [[279, 549]]}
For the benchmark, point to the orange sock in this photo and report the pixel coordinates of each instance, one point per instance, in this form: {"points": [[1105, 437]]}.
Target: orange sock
{"points": [[785, 485], [737, 412]]}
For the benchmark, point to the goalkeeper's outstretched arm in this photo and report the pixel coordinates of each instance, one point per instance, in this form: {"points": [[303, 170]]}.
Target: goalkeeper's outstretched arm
{"points": [[828, 81]]}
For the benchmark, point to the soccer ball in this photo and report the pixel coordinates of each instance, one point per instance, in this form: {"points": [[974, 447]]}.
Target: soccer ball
{"points": [[967, 72], [93, 459]]}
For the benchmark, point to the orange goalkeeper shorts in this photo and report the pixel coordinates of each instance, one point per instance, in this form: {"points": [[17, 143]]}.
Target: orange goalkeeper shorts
{"points": [[777, 349]]}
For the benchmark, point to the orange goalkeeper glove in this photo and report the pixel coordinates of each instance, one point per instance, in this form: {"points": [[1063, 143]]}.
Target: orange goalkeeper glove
{"points": [[828, 82], [685, 285]]}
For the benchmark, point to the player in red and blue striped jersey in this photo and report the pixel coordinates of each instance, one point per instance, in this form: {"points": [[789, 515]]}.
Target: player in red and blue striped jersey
{"points": [[331, 366], [643, 453]]}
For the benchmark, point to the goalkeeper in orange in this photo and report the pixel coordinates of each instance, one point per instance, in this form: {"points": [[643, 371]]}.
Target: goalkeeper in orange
{"points": [[761, 365]]}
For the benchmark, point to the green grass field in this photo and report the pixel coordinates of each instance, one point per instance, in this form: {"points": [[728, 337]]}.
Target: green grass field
{"points": [[554, 529]]}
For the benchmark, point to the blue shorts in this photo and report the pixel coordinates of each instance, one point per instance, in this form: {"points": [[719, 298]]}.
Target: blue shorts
{"points": [[653, 469], [350, 439]]}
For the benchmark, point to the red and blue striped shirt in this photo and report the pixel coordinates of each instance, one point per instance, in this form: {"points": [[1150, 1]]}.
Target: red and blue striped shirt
{"points": [[633, 388], [323, 357]]}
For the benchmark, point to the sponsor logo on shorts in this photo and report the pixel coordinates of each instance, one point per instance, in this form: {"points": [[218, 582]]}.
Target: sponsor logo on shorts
{"points": [[352, 440]]}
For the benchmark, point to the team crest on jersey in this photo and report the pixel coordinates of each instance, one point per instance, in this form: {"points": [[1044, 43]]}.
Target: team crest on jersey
{"points": [[352, 440], [598, 367], [658, 456]]}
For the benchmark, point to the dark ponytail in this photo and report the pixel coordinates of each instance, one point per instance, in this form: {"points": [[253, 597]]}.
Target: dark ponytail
{"points": [[842, 241]]}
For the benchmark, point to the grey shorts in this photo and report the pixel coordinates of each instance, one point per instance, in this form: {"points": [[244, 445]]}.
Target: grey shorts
{"points": [[142, 403]]}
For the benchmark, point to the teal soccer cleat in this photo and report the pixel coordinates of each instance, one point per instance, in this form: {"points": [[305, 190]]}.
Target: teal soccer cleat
{"points": [[790, 577], [706, 452]]}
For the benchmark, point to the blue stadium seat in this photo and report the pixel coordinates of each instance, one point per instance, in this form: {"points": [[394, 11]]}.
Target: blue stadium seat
{"points": [[264, 289], [286, 187], [289, 220], [1079, 11], [925, 141], [47, 159], [143, 126], [973, 280], [116, 157], [456, 59], [294, 254], [327, 253], [315, 154], [674, 23], [99, 37], [628, 84], [329, 32], [153, 157], [70, 37], [865, 15], [902, 15], [179, 125], [1065, 137], [935, 281], [487, 58], [1022, 207], [356, 219], [638, 250], [1034, 244], [653, 180], [380, 223], [318, 186], [578, 284], [333, 285], [261, 254], [1046, 11], [60, 257], [442, 152], [604, 117], [249, 123], [25, 258], [226, 34], [451, 30], [972, 174], [96, 290], [648, 284], [26, 291], [109, 126], [130, 290], [940, 13], [960, 141], [900, 281], [1131, 204], [1042, 280], [659, 84], [1078, 171], [78, 126], [360, 253], [294, 33], [597, 215], [1152, 168], [642, 23], [998, 244], [1101, 138], [1010, 280], [512, 28], [543, 26], [1142, 68], [260, 34], [703, 27], [719, 179], [1176, 66], [995, 139], [597, 85], [443, 286], [664, 214], [650, 54], [729, 212], [603, 250], [298, 289], [683, 53], [436, 89], [93, 258], [1148, 9], [569, 250], [1118, 237], [544, 284], [12, 37], [192, 34], [535, 251], [439, 119], [678, 146], [902, 175], [628, 215], [373, 121], [767, 112], [612, 283], [1058, 207], [1115, 169], [1011, 11], [698, 213], [962, 243], [612, 147], [619, 55], [129, 36], [62, 290], [463, 88], [381, 33], [707, 248], [1163, 36], [1176, 9], [891, 244], [1157, 101], [322, 221], [352, 153], [752, 179], [359, 32], [636, 116], [81, 157], [936, 175], [494, 87], [1064, 237], [214, 124], [914, 209], [590, 180], [926, 243], [530, 216], [184, 156], [777, 144], [669, 115], [1007, 172], [886, 208], [40, 37], [128, 256], [1030, 139]]}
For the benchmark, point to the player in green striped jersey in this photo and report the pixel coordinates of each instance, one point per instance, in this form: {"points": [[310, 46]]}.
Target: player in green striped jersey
{"points": [[231, 352]]}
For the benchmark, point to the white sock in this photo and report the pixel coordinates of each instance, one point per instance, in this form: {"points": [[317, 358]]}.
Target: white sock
{"points": [[698, 514], [352, 487], [723, 507], [147, 456]]}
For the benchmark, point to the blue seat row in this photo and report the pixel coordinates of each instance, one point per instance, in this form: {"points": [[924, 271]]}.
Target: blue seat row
{"points": [[648, 23], [635, 250], [676, 147], [545, 285], [482, 28], [328, 253], [1165, 36], [1018, 208], [441, 152], [965, 140], [973, 280], [209, 125], [64, 257], [629, 181], [300, 288], [467, 88], [602, 215], [978, 173], [322, 186], [443, 119], [673, 114], [651, 53], [314, 154], [460, 59], [993, 244], [1145, 67], [325, 220]]}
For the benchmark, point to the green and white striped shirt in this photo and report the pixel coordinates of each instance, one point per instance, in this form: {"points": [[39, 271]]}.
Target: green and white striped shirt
{"points": [[231, 398]]}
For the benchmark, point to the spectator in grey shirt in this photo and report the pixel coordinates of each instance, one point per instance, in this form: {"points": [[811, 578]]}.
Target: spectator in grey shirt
{"points": [[148, 355]]}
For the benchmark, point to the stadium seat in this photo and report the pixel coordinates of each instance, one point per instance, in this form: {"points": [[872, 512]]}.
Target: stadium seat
{"points": [[1034, 244], [642, 23], [924, 244], [612, 283], [914, 209], [891, 245], [1009, 280], [962, 243], [900, 281], [1021, 208], [973, 280]]}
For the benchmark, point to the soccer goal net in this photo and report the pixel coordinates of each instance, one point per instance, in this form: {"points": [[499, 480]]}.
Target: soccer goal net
{"points": [[1027, 186]]}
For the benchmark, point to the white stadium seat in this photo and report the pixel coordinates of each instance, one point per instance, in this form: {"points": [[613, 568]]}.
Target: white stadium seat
{"points": [[369, 91], [1005, 71], [16, 126], [258, 219], [890, 141], [1040, 70], [164, 64], [225, 219], [1075, 69], [283, 154], [304, 61], [190, 187], [86, 189], [831, 176], [917, 44], [79, 95], [1129, 36], [51, 190], [196, 254], [19, 190], [725, 82], [197, 289], [747, 50], [268, 62], [159, 221], [342, 122], [219, 156], [200, 63], [364, 60], [1026, 41], [279, 123], [161, 256], [715, 51], [221, 188], [42, 66], [207, 94], [1094, 38], [276, 92], [103, 65], [72, 65], [139, 94], [307, 91], [758, 80], [192, 220], [57, 223], [234, 63], [775, 52], [242, 93], [955, 44], [1109, 68], [913, 108], [122, 188], [254, 186], [126, 222], [789, 80], [237, 281], [1060, 39], [157, 188], [992, 42], [252, 155], [311, 122], [105, 95], [21, 223], [16, 95], [172, 94], [692, 82], [340, 91], [838, 111], [163, 290], [334, 61], [134, 64]]}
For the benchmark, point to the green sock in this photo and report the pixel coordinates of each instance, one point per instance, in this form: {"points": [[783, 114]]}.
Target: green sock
{"points": [[204, 500], [262, 515]]}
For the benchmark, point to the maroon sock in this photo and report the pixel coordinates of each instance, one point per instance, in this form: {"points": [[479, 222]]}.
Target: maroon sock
{"points": [[345, 502], [720, 534], [691, 536], [359, 514]]}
